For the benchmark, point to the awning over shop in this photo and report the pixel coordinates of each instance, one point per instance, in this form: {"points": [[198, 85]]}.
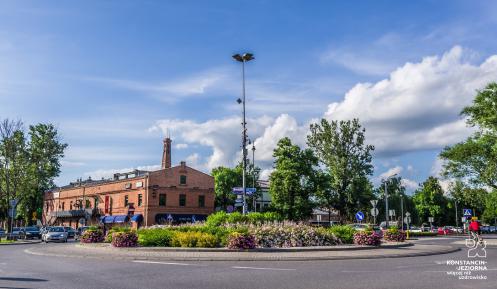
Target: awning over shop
{"points": [[114, 219], [137, 218]]}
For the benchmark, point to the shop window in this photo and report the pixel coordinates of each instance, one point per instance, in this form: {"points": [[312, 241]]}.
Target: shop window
{"points": [[201, 201], [162, 200], [126, 200], [182, 180], [88, 204], [63, 206], [140, 200], [182, 200]]}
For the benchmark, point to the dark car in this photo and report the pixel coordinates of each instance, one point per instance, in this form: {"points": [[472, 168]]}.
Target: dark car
{"points": [[18, 232], [32, 233], [70, 232]]}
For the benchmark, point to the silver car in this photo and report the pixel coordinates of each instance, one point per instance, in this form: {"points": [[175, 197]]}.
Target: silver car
{"points": [[55, 234]]}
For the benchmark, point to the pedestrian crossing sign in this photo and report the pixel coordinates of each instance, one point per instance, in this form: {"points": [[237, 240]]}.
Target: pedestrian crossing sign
{"points": [[467, 212]]}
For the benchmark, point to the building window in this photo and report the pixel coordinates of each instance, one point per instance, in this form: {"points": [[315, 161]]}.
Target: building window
{"points": [[182, 200], [126, 200], [139, 200], [182, 180], [201, 201], [162, 200], [63, 206], [70, 205]]}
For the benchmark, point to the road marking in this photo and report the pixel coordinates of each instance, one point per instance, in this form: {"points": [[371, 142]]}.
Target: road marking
{"points": [[166, 263], [262, 268]]}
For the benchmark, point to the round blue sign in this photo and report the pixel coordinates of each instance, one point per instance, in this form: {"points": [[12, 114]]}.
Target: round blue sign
{"points": [[359, 216]]}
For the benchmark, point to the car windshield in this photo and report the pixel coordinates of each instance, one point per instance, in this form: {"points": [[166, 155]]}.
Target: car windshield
{"points": [[30, 229], [56, 229]]}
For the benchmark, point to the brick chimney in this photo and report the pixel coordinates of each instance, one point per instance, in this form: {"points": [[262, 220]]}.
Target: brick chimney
{"points": [[166, 154]]}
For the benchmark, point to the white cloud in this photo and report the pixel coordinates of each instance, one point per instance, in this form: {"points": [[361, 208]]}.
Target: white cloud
{"points": [[358, 63], [397, 170], [181, 146], [410, 185], [418, 106]]}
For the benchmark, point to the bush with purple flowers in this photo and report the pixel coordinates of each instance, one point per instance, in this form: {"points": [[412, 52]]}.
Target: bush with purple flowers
{"points": [[241, 241], [125, 239], [369, 238], [394, 235], [92, 236]]}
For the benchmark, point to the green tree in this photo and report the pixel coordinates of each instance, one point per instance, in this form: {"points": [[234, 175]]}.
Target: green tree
{"points": [[490, 212], [340, 146], [294, 180], [475, 160], [396, 191], [468, 197], [430, 201], [225, 179]]}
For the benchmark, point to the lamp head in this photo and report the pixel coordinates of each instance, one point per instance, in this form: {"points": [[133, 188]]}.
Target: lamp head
{"points": [[239, 101]]}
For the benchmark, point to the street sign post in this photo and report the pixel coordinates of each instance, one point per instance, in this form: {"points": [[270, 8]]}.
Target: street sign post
{"points": [[374, 203], [374, 213], [430, 220], [359, 216], [248, 191], [467, 212]]}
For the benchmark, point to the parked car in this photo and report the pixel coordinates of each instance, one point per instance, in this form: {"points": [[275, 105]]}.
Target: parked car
{"points": [[447, 230], [485, 229], [80, 232], [359, 227], [493, 229], [18, 232], [2, 233], [55, 234], [32, 233], [415, 229], [70, 232], [458, 230]]}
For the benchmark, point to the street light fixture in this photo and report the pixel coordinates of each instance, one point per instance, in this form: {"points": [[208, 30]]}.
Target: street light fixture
{"points": [[244, 58]]}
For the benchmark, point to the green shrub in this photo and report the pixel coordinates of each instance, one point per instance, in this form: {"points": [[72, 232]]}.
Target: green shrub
{"points": [[159, 237], [194, 239], [108, 237], [344, 233], [422, 234], [221, 218]]}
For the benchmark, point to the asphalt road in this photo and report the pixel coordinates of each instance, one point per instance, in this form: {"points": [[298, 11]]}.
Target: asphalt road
{"points": [[21, 270]]}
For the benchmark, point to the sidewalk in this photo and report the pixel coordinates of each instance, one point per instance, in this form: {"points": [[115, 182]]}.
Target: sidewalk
{"points": [[106, 251]]}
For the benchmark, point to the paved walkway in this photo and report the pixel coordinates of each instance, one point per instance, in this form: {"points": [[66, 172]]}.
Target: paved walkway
{"points": [[106, 251]]}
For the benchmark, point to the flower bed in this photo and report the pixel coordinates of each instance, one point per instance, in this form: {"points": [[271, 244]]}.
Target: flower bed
{"points": [[394, 235], [92, 236], [124, 239], [369, 238], [194, 239], [241, 241], [292, 235]]}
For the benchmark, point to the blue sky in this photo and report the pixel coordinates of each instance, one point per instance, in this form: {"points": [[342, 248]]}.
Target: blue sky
{"points": [[114, 76]]}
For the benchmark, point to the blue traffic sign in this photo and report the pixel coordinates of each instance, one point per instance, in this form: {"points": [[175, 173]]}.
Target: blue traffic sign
{"points": [[193, 219], [239, 191], [359, 216], [467, 212]]}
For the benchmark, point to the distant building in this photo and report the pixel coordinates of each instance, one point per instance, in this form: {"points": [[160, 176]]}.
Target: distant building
{"points": [[140, 198], [263, 199]]}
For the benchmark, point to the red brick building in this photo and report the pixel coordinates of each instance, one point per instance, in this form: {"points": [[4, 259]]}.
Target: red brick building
{"points": [[140, 198]]}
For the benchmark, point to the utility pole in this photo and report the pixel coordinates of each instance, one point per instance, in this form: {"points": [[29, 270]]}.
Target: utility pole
{"points": [[253, 178], [386, 206], [402, 211]]}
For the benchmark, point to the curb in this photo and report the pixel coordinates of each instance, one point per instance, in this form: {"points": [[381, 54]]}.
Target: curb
{"points": [[272, 250], [20, 243], [142, 258]]}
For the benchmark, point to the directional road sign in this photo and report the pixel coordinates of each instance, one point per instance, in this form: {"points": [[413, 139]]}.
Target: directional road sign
{"points": [[430, 219], [359, 216], [467, 212], [239, 191], [374, 212]]}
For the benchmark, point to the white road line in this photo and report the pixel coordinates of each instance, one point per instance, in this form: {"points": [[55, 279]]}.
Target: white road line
{"points": [[261, 268], [166, 263]]}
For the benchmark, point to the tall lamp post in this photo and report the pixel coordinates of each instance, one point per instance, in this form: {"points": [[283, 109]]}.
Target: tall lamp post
{"points": [[386, 200], [244, 58], [253, 176]]}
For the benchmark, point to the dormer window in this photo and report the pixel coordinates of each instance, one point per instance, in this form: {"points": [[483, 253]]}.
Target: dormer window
{"points": [[182, 180]]}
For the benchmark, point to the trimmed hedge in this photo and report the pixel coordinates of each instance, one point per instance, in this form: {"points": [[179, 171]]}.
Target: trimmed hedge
{"points": [[221, 218], [194, 239], [369, 238], [124, 239], [344, 233], [156, 237], [422, 234]]}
